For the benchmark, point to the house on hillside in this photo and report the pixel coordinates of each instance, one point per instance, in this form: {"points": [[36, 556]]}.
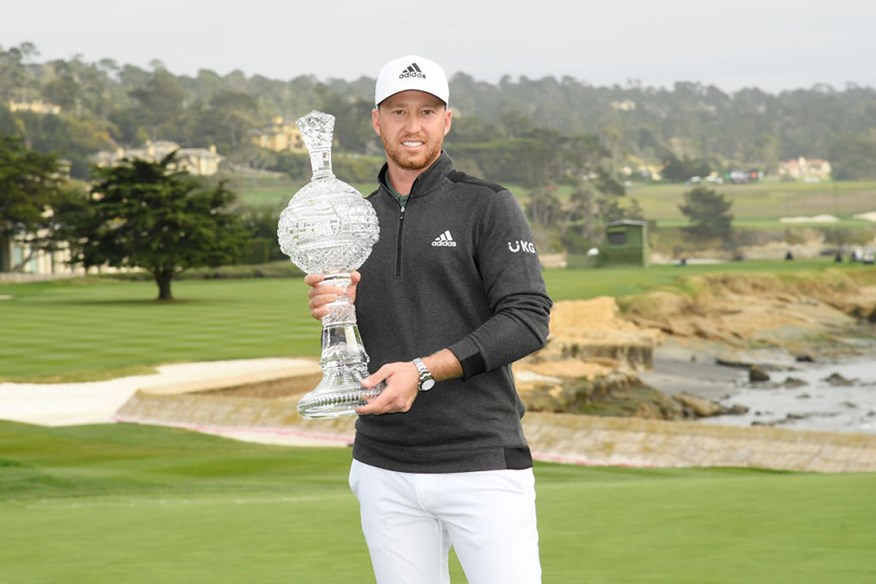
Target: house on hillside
{"points": [[37, 106], [624, 105], [197, 161], [643, 172], [804, 169], [281, 136]]}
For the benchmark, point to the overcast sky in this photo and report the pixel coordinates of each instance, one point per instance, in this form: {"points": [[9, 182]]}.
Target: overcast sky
{"points": [[770, 44]]}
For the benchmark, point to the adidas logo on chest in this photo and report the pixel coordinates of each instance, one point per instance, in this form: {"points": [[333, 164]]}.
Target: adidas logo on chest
{"points": [[444, 240]]}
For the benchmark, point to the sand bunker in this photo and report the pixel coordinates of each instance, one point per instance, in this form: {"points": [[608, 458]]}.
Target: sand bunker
{"points": [[871, 216], [810, 219], [96, 402]]}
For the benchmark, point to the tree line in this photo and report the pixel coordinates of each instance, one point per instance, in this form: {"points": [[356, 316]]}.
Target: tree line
{"points": [[541, 134], [151, 215], [107, 103]]}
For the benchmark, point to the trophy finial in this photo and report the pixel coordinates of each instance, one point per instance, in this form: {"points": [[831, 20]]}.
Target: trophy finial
{"points": [[317, 130]]}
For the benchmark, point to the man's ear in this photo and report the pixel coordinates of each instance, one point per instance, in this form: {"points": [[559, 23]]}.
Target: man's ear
{"points": [[375, 120]]}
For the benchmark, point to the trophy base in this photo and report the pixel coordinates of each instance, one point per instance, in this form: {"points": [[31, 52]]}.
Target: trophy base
{"points": [[338, 393], [334, 403]]}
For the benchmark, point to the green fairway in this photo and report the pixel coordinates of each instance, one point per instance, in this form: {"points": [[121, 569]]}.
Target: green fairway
{"points": [[133, 504], [755, 205], [763, 201], [91, 329], [99, 328]]}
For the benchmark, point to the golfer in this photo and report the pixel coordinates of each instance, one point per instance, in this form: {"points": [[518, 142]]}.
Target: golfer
{"points": [[451, 295]]}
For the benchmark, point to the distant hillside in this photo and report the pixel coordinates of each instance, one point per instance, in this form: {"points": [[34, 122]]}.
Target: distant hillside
{"points": [[692, 126]]}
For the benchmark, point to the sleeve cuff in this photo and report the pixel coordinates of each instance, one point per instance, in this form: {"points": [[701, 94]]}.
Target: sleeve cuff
{"points": [[469, 356]]}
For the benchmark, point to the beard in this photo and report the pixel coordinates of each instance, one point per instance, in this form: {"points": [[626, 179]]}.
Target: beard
{"points": [[420, 160]]}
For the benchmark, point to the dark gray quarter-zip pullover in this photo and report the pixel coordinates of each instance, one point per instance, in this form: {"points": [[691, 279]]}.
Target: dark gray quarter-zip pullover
{"points": [[456, 268]]}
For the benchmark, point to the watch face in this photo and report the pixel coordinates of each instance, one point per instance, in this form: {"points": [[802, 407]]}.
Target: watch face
{"points": [[427, 385]]}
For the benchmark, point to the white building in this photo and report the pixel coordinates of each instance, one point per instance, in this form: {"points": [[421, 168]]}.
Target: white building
{"points": [[18, 256], [804, 169], [197, 161]]}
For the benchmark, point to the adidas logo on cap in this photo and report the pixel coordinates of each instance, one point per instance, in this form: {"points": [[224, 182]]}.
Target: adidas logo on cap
{"points": [[412, 70], [408, 73]]}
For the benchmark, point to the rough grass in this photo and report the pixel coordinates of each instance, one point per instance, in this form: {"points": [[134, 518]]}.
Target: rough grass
{"points": [[134, 504]]}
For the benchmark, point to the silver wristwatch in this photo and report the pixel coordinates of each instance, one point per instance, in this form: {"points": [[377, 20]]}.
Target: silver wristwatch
{"points": [[426, 382]]}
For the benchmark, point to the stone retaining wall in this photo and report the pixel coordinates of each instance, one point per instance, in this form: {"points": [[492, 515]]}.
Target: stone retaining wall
{"points": [[553, 437], [639, 442]]}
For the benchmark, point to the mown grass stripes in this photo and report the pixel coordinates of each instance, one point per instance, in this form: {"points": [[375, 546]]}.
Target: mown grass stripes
{"points": [[63, 328], [93, 329], [138, 504]]}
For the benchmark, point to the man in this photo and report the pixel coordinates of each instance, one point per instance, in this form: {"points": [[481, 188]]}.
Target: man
{"points": [[450, 296]]}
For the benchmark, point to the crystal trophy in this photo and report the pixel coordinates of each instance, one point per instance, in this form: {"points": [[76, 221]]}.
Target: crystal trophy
{"points": [[329, 228]]}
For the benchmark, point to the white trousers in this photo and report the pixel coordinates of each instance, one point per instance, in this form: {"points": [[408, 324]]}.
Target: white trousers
{"points": [[411, 521]]}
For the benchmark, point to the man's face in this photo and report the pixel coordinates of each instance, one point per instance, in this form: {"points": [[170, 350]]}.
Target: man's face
{"points": [[412, 126]]}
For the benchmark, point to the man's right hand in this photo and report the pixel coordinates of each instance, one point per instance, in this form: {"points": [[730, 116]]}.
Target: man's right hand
{"points": [[321, 295]]}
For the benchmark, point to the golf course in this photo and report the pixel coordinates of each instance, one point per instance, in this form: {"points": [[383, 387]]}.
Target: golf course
{"points": [[124, 503], [143, 504]]}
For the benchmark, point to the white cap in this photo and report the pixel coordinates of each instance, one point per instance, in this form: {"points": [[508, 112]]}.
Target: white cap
{"points": [[411, 72]]}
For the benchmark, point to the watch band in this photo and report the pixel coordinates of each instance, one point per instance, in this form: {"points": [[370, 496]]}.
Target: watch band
{"points": [[426, 381]]}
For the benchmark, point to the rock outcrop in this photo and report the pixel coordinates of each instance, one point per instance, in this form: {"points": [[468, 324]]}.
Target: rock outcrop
{"points": [[597, 346], [589, 365]]}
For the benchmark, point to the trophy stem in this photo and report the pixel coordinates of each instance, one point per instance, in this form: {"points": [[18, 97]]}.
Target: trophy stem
{"points": [[344, 362], [321, 163]]}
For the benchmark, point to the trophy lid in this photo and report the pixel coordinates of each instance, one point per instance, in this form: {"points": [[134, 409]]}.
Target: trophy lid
{"points": [[317, 130]]}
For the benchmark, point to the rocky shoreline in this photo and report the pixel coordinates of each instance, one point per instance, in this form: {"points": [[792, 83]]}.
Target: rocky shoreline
{"points": [[836, 395], [734, 353]]}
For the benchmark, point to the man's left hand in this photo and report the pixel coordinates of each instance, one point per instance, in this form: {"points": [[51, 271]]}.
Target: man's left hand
{"points": [[400, 392]]}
